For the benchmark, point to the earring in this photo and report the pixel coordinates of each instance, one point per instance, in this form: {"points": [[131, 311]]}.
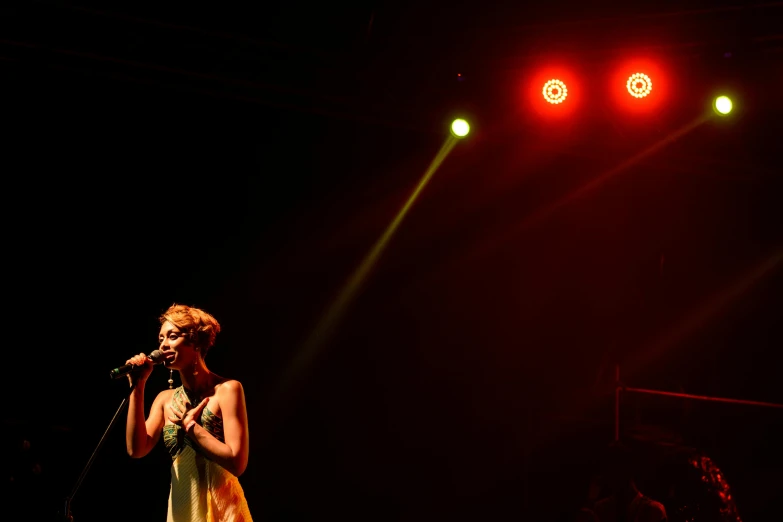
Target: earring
{"points": [[171, 379], [195, 365]]}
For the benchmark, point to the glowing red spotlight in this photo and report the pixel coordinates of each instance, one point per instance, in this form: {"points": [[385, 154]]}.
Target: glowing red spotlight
{"points": [[555, 91], [551, 90], [639, 85], [647, 79]]}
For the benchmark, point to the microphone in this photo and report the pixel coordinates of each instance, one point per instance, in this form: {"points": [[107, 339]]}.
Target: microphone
{"points": [[156, 356]]}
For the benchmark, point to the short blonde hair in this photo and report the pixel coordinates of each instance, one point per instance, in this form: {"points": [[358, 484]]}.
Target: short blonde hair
{"points": [[201, 327]]}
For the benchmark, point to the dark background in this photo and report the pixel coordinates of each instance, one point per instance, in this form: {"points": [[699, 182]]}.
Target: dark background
{"points": [[245, 161]]}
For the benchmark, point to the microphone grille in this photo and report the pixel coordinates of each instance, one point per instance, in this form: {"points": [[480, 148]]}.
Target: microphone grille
{"points": [[155, 355]]}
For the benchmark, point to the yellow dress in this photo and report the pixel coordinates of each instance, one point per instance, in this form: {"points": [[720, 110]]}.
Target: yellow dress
{"points": [[201, 490]]}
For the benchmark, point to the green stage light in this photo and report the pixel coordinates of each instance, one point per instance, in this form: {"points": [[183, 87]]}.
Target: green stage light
{"points": [[460, 128], [723, 105]]}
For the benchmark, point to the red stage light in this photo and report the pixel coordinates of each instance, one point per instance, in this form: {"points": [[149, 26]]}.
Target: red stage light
{"points": [[555, 91], [552, 91], [639, 85]]}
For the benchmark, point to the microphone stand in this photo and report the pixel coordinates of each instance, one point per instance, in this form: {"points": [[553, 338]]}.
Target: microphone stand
{"points": [[67, 517]]}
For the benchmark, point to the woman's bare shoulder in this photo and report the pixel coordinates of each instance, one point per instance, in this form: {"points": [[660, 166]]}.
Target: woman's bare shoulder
{"points": [[229, 386], [165, 396]]}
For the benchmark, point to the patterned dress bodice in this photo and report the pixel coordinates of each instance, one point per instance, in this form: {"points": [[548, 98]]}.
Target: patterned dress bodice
{"points": [[201, 490], [174, 436]]}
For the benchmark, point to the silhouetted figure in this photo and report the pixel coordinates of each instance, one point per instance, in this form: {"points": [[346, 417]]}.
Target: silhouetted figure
{"points": [[620, 499]]}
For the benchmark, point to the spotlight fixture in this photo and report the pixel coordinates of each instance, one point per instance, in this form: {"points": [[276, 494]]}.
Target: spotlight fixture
{"points": [[639, 85], [460, 128], [555, 91], [723, 105]]}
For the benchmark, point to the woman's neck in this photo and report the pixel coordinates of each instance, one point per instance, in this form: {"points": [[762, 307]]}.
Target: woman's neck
{"points": [[199, 384]]}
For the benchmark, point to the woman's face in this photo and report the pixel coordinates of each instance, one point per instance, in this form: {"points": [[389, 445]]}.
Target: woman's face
{"points": [[176, 348]]}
